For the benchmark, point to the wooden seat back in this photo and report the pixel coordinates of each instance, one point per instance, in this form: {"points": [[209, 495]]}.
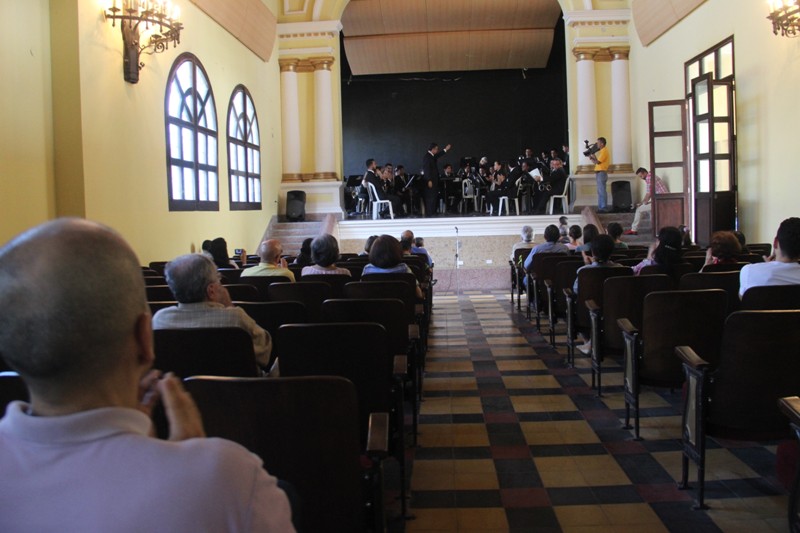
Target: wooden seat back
{"points": [[159, 293], [623, 297], [727, 281], [205, 351], [723, 267], [262, 283], [335, 281], [771, 297], [244, 292], [388, 312], [385, 289], [678, 318], [272, 315], [564, 278], [758, 365], [311, 294], [590, 287], [306, 432], [678, 270]]}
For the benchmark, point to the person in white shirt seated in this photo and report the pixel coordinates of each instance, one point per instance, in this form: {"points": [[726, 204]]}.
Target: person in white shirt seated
{"points": [[781, 268], [81, 456]]}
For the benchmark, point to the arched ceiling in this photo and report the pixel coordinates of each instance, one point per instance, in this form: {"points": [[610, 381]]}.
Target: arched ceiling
{"points": [[391, 36]]}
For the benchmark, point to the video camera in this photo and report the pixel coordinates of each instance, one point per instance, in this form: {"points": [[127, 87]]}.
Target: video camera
{"points": [[591, 149]]}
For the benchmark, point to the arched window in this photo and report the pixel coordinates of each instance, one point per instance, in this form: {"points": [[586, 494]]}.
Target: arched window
{"points": [[244, 152], [191, 122]]}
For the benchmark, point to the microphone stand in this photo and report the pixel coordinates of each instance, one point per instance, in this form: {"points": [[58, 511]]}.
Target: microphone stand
{"points": [[458, 248]]}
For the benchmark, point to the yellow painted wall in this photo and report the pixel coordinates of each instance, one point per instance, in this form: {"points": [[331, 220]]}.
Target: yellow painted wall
{"points": [[26, 141], [123, 143], [767, 83]]}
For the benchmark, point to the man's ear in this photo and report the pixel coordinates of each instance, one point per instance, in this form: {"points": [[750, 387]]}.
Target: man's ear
{"points": [[144, 339]]}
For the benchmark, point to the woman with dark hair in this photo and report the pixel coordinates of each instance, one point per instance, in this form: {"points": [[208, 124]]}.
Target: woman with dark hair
{"points": [[304, 257], [665, 253], [368, 244], [219, 254], [386, 257], [590, 231], [614, 230], [574, 233], [324, 253], [687, 236], [724, 248]]}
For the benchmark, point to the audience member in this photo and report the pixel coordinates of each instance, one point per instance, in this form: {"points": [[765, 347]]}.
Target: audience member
{"points": [[386, 257], [502, 187], [781, 268], [590, 231], [724, 248], [602, 247], [614, 230], [647, 202], [687, 237], [415, 248], [325, 253], [527, 240], [742, 241], [563, 229], [419, 243], [272, 264], [80, 456], [550, 246], [304, 257], [205, 248], [219, 254], [204, 302], [368, 244], [574, 235], [665, 253]]}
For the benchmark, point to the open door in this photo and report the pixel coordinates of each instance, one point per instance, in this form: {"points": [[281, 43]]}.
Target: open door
{"points": [[669, 161], [714, 157]]}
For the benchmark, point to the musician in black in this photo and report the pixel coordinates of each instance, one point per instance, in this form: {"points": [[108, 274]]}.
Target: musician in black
{"points": [[549, 185], [372, 177], [430, 174], [502, 187], [404, 188]]}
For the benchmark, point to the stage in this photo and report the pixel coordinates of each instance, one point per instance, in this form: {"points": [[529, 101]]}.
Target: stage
{"points": [[484, 243]]}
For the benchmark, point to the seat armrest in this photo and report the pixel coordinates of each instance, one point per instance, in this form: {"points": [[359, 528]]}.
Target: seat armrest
{"points": [[568, 293], [413, 332], [548, 283], [690, 358], [400, 369], [790, 406], [592, 306], [378, 435], [626, 326]]}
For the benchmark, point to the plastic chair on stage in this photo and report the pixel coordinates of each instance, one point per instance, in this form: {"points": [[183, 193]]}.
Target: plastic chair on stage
{"points": [[563, 197], [376, 203]]}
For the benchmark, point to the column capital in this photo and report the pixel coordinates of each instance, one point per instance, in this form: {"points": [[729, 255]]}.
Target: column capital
{"points": [[321, 63], [288, 64], [585, 54], [619, 52]]}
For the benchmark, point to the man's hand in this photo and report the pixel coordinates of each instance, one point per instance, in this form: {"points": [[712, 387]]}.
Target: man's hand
{"points": [[430, 185], [148, 392], [282, 263], [447, 148], [182, 413]]}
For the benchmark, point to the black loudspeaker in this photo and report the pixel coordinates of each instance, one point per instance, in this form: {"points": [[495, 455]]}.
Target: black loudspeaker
{"points": [[296, 205], [621, 196]]}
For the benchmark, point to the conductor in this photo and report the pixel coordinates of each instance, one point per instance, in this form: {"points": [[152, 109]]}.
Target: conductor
{"points": [[430, 171]]}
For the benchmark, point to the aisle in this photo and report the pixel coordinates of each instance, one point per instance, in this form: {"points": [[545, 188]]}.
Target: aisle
{"points": [[511, 440]]}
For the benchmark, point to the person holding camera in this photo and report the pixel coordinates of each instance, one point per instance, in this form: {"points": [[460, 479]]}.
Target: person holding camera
{"points": [[601, 161]]}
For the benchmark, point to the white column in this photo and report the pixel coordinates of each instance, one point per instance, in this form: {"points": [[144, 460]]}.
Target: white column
{"points": [[587, 106], [620, 141], [290, 120], [324, 159]]}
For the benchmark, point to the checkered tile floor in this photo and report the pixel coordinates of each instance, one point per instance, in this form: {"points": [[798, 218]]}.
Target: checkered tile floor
{"points": [[512, 440]]}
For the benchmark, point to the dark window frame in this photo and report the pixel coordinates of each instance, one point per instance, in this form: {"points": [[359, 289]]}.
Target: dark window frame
{"points": [[197, 112], [243, 125]]}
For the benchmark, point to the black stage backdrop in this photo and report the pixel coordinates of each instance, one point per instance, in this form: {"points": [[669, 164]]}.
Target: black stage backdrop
{"points": [[393, 118]]}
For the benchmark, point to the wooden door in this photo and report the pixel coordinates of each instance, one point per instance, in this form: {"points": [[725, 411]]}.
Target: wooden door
{"points": [[669, 161], [714, 157]]}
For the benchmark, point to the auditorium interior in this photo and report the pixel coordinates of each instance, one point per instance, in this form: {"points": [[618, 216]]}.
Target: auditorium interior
{"points": [[703, 92]]}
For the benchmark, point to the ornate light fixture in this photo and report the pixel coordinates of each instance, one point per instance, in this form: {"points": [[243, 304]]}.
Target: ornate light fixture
{"points": [[785, 17], [136, 19]]}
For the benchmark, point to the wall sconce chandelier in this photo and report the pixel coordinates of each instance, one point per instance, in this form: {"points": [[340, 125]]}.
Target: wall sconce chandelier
{"points": [[785, 17], [137, 17]]}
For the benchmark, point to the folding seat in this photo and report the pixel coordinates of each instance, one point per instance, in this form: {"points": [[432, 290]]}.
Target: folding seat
{"points": [[771, 297], [311, 294], [727, 281], [205, 351], [736, 397]]}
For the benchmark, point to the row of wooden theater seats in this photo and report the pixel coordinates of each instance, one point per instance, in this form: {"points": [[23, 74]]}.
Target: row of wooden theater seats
{"points": [[361, 352], [748, 355], [307, 431], [695, 257], [285, 297]]}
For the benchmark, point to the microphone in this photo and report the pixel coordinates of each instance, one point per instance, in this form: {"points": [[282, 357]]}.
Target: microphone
{"points": [[456, 229]]}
